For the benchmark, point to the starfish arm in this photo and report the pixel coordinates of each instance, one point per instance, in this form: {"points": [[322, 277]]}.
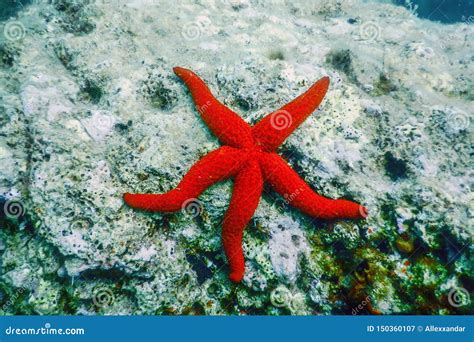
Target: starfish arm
{"points": [[272, 130], [217, 165], [229, 127], [297, 193], [248, 185]]}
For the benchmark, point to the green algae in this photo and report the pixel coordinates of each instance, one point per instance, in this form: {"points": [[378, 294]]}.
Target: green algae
{"points": [[384, 85]]}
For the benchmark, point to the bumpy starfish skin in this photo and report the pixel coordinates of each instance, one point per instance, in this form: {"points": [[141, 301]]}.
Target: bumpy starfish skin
{"points": [[247, 156]]}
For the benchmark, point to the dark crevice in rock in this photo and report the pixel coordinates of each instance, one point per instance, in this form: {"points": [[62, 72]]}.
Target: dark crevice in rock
{"points": [[341, 60], [395, 168]]}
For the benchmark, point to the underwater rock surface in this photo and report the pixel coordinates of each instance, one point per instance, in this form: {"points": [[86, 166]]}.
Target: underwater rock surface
{"points": [[90, 109]]}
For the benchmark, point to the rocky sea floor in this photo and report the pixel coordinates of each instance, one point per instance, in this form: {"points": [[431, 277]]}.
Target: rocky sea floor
{"points": [[90, 109]]}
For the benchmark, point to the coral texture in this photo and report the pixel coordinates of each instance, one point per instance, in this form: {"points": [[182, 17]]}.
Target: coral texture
{"points": [[90, 109]]}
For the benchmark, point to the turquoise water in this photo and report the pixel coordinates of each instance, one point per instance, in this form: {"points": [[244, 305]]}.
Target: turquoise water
{"points": [[445, 11]]}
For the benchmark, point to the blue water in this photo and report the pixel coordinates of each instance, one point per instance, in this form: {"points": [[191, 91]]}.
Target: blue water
{"points": [[445, 11]]}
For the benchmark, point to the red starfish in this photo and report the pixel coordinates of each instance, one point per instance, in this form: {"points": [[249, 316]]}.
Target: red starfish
{"points": [[248, 156]]}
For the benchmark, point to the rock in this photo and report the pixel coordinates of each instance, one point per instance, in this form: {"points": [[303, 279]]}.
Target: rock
{"points": [[90, 109]]}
